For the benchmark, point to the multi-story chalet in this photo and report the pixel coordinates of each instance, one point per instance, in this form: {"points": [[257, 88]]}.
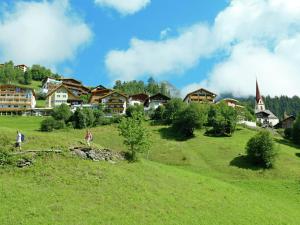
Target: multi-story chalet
{"points": [[155, 101], [22, 67], [287, 122], [114, 102], [265, 117], [231, 102], [138, 99], [97, 94], [49, 84], [75, 86], [16, 99], [61, 95], [200, 96]]}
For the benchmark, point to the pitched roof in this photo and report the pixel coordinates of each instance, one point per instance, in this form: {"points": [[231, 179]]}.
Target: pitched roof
{"points": [[258, 96], [200, 89], [268, 113], [141, 97], [62, 85], [113, 92]]}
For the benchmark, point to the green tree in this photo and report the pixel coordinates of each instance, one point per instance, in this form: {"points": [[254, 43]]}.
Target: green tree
{"points": [[79, 119], [223, 119], [135, 135], [27, 77], [134, 108], [158, 113], [261, 149], [191, 118], [296, 131], [172, 109], [62, 112]]}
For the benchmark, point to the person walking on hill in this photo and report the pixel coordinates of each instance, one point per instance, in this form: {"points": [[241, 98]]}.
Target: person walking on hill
{"points": [[19, 140], [88, 137]]}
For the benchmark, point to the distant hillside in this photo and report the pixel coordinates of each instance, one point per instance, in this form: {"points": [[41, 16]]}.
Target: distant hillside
{"points": [[278, 105]]}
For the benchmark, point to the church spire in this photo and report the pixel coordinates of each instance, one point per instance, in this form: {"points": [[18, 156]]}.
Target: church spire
{"points": [[258, 96], [259, 104]]}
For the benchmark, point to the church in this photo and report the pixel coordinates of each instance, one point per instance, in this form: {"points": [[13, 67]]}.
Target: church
{"points": [[263, 116]]}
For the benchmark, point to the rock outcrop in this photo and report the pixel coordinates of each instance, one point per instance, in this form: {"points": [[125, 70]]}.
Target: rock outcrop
{"points": [[97, 154]]}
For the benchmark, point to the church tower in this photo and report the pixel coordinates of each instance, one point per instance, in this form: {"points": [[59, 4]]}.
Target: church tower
{"points": [[259, 103]]}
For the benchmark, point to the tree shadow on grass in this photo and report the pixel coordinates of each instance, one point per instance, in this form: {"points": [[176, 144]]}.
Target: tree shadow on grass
{"points": [[243, 162], [287, 142], [297, 154], [170, 134]]}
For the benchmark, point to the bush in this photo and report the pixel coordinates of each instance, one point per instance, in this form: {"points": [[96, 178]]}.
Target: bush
{"points": [[5, 157], [59, 124], [102, 121], [90, 118], [158, 113], [288, 133], [172, 109], [223, 119], [62, 112], [296, 131], [48, 124], [191, 118], [134, 108], [4, 140], [260, 149], [79, 119]]}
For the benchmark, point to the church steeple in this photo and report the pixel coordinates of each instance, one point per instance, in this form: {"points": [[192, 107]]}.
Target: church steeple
{"points": [[259, 104]]}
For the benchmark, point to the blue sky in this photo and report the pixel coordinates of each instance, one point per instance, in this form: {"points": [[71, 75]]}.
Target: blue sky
{"points": [[222, 45], [114, 31]]}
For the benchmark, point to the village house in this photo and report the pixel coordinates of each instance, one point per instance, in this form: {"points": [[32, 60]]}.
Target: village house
{"points": [[48, 84], [155, 101], [97, 93], [61, 95], [114, 102], [263, 116], [138, 99], [288, 122], [75, 86], [200, 96], [16, 100], [22, 67], [231, 102]]}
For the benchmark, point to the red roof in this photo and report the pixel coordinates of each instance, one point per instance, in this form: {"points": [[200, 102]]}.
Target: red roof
{"points": [[258, 96]]}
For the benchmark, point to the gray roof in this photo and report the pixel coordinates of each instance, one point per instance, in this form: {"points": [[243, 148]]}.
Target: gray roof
{"points": [[270, 114]]}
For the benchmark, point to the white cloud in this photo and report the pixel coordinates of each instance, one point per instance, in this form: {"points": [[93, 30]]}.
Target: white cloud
{"points": [[260, 37], [124, 7], [162, 57], [44, 32], [164, 33]]}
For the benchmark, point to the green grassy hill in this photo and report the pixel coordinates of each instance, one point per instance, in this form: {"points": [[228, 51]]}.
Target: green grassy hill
{"points": [[203, 180]]}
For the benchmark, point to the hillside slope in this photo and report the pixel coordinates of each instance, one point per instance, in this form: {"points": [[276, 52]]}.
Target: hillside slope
{"points": [[203, 180]]}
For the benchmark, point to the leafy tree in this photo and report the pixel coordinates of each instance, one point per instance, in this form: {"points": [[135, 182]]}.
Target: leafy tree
{"points": [[135, 108], [296, 131], [48, 125], [62, 112], [223, 119], [191, 118], [261, 150], [135, 135], [27, 77], [79, 119], [172, 109], [90, 117], [158, 113]]}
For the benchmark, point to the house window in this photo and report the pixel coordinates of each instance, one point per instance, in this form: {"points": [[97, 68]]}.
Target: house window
{"points": [[58, 96]]}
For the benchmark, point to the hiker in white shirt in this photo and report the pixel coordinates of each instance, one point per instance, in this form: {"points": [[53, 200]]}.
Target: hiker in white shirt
{"points": [[19, 140]]}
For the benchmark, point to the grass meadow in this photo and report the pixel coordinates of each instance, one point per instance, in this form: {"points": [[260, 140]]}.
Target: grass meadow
{"points": [[203, 180]]}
